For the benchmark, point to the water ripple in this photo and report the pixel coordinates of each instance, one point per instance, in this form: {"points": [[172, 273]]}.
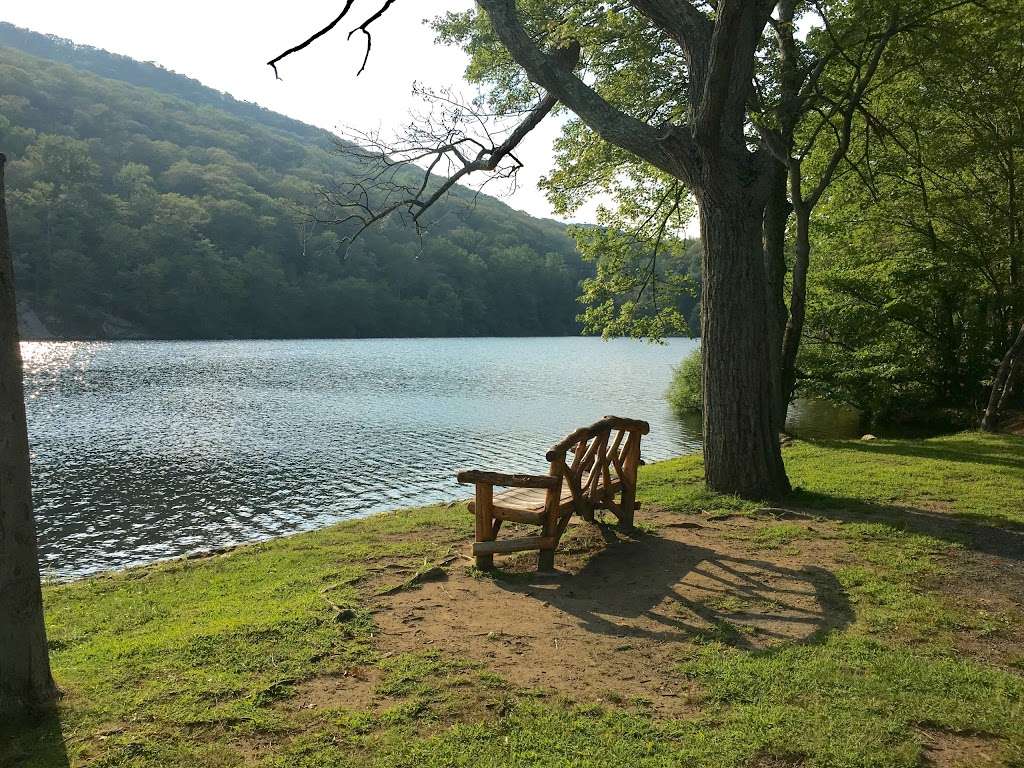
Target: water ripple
{"points": [[147, 450]]}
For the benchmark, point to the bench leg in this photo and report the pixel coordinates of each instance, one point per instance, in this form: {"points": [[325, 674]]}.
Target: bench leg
{"points": [[632, 466], [546, 557], [485, 522], [626, 509], [546, 560]]}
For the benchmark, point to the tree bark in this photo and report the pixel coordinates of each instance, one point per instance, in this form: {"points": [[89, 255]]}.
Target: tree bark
{"points": [[990, 421], [25, 679], [776, 215], [1016, 370], [741, 440], [797, 302]]}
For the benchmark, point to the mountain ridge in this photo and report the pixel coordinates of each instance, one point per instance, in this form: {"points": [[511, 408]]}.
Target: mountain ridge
{"points": [[166, 187], [99, 62], [92, 59]]}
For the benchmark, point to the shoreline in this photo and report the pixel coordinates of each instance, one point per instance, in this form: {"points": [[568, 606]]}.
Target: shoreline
{"points": [[226, 339], [219, 551]]}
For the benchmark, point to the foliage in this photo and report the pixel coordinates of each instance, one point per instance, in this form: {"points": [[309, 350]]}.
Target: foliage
{"points": [[685, 393], [145, 204], [198, 663], [647, 277], [637, 66], [647, 283], [920, 294]]}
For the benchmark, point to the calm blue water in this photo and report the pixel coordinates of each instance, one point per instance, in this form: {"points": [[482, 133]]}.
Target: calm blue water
{"points": [[147, 450]]}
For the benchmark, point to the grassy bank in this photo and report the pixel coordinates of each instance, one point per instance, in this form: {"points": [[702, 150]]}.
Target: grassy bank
{"points": [[874, 620]]}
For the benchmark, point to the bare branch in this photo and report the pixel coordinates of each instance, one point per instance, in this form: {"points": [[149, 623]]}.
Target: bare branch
{"points": [[443, 146], [311, 39], [364, 28]]}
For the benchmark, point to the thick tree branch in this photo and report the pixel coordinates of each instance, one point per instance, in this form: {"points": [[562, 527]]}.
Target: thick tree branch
{"points": [[670, 148], [727, 87], [722, 54], [690, 28]]}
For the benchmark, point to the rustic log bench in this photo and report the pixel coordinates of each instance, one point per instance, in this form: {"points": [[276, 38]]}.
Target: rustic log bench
{"points": [[605, 460]]}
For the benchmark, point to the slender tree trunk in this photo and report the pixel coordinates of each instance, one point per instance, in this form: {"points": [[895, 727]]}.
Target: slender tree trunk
{"points": [[741, 439], [990, 421], [797, 302], [25, 680], [1016, 370], [776, 215]]}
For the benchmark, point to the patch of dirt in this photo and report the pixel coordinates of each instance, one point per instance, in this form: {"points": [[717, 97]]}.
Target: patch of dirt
{"points": [[620, 613], [990, 588], [944, 749], [610, 624], [353, 689], [255, 748]]}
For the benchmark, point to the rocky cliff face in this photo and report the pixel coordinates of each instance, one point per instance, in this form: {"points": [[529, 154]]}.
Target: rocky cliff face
{"points": [[35, 326], [31, 326]]}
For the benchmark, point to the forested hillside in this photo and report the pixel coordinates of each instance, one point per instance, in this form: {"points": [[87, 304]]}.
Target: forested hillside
{"points": [[144, 204]]}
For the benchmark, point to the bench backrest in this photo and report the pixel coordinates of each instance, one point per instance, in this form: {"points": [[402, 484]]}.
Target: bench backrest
{"points": [[604, 455]]}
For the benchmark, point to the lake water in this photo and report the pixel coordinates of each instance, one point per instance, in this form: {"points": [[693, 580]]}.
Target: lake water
{"points": [[147, 450]]}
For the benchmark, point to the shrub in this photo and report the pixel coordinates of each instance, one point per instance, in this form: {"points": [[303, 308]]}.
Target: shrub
{"points": [[686, 394]]}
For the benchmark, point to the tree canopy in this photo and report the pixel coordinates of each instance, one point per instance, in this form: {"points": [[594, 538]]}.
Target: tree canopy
{"points": [[918, 297]]}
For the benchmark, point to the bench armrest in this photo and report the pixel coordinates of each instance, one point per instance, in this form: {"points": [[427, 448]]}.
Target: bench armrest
{"points": [[512, 481]]}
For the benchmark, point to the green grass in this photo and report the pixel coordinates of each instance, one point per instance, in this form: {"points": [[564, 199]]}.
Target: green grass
{"points": [[193, 663]]}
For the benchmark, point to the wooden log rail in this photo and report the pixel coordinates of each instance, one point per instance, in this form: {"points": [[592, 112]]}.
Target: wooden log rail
{"points": [[602, 466], [604, 425], [502, 479]]}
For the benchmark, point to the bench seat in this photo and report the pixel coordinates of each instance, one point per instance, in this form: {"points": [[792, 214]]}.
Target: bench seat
{"points": [[526, 505]]}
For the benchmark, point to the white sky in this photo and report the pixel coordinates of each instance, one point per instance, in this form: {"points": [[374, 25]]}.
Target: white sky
{"points": [[225, 44]]}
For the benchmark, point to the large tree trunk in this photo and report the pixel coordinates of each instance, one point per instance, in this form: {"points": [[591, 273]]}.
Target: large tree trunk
{"points": [[741, 438], [25, 679]]}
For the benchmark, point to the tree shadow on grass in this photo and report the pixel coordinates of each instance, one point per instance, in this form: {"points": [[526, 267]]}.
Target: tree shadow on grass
{"points": [[1004, 452], [33, 741], [1000, 537], [655, 587]]}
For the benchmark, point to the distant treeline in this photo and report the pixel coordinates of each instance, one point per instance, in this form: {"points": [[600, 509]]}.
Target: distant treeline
{"points": [[178, 213]]}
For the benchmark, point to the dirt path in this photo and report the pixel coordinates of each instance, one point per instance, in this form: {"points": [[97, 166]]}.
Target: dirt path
{"points": [[616, 615], [620, 612]]}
